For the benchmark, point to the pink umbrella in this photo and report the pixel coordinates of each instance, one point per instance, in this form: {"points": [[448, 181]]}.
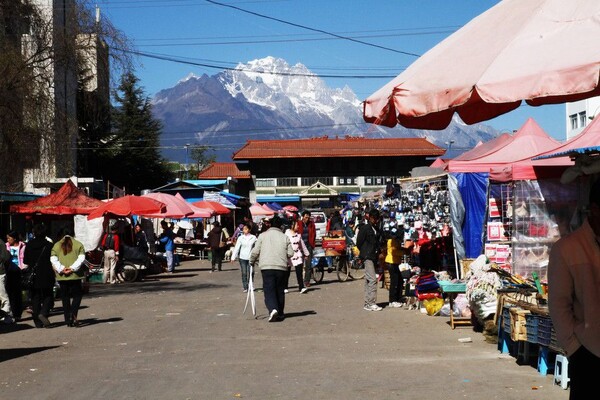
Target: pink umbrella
{"points": [[258, 210], [540, 51], [175, 207], [198, 212]]}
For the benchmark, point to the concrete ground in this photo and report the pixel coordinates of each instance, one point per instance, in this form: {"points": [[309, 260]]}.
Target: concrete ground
{"points": [[184, 336]]}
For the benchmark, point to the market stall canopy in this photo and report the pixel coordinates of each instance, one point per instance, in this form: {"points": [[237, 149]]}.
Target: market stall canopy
{"points": [[485, 148], [198, 212], [588, 141], [257, 210], [68, 200], [217, 208], [540, 51], [529, 141], [175, 207], [127, 206]]}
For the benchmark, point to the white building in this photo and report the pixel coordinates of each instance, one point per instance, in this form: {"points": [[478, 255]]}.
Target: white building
{"points": [[579, 114]]}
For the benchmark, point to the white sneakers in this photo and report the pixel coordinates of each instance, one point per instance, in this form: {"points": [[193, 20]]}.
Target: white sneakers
{"points": [[395, 304], [304, 290], [372, 307], [273, 316], [285, 291]]}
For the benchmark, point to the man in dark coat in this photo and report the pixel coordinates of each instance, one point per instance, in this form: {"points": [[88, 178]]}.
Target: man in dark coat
{"points": [[368, 241]]}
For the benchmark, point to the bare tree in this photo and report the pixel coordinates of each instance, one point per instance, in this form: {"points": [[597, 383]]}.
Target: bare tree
{"points": [[51, 56]]}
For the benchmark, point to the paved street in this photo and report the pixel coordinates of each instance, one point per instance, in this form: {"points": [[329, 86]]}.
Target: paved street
{"points": [[183, 336]]}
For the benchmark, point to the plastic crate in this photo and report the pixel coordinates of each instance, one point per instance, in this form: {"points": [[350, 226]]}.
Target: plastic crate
{"points": [[544, 331], [506, 319], [531, 322]]}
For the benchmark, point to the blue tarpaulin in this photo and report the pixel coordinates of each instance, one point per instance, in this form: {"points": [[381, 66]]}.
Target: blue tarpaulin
{"points": [[473, 190], [274, 206]]}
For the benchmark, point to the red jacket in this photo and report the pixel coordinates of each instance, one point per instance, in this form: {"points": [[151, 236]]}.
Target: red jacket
{"points": [[312, 232], [116, 242]]}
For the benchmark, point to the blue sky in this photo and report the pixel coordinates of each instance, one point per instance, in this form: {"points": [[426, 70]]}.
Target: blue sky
{"points": [[221, 36]]}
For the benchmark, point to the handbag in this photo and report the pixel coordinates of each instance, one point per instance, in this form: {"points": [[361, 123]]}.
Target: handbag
{"points": [[29, 273], [221, 242]]}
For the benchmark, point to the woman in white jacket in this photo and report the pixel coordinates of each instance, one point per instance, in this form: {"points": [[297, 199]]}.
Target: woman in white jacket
{"points": [[300, 253], [243, 247]]}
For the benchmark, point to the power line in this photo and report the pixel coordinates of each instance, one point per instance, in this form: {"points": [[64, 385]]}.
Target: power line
{"points": [[205, 65], [282, 40], [313, 29]]}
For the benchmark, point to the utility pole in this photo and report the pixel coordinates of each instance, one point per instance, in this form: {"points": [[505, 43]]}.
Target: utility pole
{"points": [[187, 146]]}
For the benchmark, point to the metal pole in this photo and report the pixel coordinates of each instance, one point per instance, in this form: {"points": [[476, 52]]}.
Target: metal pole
{"points": [[187, 145]]}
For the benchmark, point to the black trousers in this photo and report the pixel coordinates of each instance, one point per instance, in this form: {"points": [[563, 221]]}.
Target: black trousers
{"points": [[217, 257], [396, 283], [70, 290], [41, 302], [583, 372], [14, 291], [274, 281]]}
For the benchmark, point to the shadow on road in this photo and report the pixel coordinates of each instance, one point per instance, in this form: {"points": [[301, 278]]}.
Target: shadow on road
{"points": [[9, 354]]}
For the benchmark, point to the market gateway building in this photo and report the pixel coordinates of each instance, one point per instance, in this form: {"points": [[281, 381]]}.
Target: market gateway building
{"points": [[325, 172]]}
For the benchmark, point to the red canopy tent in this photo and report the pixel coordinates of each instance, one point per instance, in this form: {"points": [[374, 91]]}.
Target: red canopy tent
{"points": [[68, 200]]}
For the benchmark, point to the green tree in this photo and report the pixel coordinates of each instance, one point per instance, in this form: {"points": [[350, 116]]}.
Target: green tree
{"points": [[200, 158], [133, 148]]}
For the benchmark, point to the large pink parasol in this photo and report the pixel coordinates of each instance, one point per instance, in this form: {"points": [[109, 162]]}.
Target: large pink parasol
{"points": [[175, 207], [198, 212], [540, 51], [260, 210]]}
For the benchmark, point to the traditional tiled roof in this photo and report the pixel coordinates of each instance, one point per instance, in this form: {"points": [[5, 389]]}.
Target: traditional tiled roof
{"points": [[338, 147], [223, 170]]}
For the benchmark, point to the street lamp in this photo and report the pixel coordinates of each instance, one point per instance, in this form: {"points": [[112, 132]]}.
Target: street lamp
{"points": [[187, 146], [449, 143]]}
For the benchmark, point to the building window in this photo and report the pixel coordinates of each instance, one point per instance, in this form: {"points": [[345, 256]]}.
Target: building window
{"points": [[347, 180], [573, 121], [287, 181], [376, 180], [325, 180], [265, 183], [582, 121]]}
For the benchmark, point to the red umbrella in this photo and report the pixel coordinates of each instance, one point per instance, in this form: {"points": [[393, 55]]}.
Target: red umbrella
{"points": [[127, 206], [540, 51], [218, 208], [290, 208]]}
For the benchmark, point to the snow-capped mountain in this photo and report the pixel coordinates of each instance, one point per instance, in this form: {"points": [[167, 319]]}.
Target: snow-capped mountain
{"points": [[269, 99]]}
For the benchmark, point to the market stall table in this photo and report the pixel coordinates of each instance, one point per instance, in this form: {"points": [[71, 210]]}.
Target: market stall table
{"points": [[192, 249], [452, 289]]}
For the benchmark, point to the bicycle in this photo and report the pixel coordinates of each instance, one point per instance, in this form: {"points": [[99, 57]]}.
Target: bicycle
{"points": [[127, 271], [348, 266]]}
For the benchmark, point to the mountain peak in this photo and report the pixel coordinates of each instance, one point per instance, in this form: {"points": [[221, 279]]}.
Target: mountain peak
{"points": [[189, 76], [267, 96]]}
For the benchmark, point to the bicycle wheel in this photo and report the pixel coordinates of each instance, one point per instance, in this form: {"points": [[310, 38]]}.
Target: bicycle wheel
{"points": [[357, 269], [128, 272], [342, 268], [317, 274]]}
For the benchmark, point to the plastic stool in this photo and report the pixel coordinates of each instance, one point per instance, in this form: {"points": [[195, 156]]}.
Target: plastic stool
{"points": [[561, 371]]}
